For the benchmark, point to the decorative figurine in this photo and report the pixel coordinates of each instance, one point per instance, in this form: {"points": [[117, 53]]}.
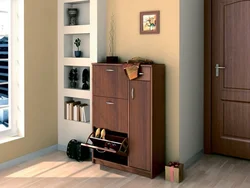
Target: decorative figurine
{"points": [[85, 79], [73, 13], [73, 77]]}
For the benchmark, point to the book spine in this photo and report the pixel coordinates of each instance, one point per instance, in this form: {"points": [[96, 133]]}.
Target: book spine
{"points": [[81, 114], [78, 113], [67, 111], [71, 111], [84, 114], [75, 113]]}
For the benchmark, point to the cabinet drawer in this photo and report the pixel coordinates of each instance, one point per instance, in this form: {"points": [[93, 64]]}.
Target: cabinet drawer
{"points": [[110, 113], [110, 81], [144, 74]]}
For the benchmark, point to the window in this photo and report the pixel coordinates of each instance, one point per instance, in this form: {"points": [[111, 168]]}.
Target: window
{"points": [[11, 68]]}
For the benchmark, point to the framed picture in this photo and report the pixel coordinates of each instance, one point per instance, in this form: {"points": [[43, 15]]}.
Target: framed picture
{"points": [[150, 22]]}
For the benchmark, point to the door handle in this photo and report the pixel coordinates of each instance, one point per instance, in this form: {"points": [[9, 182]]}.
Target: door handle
{"points": [[132, 93], [110, 70], [141, 73], [110, 103], [217, 70]]}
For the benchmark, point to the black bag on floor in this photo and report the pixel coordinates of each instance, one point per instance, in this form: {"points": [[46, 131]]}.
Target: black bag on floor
{"points": [[76, 151]]}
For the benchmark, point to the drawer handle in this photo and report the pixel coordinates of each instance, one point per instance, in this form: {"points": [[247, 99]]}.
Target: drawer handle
{"points": [[132, 93], [110, 70], [141, 73], [110, 103]]}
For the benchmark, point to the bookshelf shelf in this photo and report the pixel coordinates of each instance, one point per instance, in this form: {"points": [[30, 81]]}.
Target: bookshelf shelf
{"points": [[76, 29], [75, 1], [73, 61], [80, 123], [77, 93]]}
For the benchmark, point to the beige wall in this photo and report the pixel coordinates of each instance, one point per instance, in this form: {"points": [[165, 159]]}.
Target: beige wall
{"points": [[40, 80], [162, 48]]}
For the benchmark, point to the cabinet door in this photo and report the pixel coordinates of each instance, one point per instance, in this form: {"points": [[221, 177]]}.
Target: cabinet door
{"points": [[110, 113], [140, 125], [110, 81]]}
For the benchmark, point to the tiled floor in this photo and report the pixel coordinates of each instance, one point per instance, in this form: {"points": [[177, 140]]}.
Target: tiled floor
{"points": [[56, 170]]}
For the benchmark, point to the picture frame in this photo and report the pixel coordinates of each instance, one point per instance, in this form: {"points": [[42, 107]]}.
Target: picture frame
{"points": [[150, 22]]}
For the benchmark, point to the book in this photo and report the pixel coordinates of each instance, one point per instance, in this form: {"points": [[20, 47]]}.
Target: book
{"points": [[76, 112], [72, 114], [84, 113], [67, 109]]}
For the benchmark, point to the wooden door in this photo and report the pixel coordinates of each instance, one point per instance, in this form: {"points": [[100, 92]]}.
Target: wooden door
{"points": [[231, 88], [140, 125]]}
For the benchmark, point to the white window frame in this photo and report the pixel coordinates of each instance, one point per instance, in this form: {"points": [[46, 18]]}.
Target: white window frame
{"points": [[16, 71]]}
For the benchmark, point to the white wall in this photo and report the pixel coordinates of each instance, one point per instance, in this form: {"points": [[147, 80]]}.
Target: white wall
{"points": [[191, 78]]}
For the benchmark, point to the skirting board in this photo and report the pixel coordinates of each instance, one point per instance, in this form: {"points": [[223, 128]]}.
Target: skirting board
{"points": [[193, 159], [61, 147], [28, 157]]}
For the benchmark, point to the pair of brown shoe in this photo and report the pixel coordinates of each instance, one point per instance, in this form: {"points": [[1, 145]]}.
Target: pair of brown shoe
{"points": [[100, 134]]}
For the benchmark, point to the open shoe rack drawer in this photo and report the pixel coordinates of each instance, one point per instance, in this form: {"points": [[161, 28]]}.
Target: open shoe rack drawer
{"points": [[112, 143]]}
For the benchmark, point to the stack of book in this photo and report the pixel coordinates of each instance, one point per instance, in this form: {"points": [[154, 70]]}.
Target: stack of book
{"points": [[76, 111]]}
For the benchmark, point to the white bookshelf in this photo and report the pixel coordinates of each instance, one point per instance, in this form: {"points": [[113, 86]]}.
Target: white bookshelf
{"points": [[91, 29]]}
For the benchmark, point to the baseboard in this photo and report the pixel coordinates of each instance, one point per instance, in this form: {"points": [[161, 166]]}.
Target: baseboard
{"points": [[193, 159], [28, 157], [61, 147]]}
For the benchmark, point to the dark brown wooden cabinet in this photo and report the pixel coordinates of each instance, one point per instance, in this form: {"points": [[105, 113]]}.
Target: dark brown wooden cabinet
{"points": [[133, 114]]}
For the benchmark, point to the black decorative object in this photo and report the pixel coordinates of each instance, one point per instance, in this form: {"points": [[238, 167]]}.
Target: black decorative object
{"points": [[73, 13], [73, 77], [112, 59], [85, 79]]}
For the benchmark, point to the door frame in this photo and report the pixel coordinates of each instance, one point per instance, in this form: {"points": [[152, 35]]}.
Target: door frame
{"points": [[208, 76]]}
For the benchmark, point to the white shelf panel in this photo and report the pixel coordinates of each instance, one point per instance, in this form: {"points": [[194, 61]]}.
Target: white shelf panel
{"points": [[76, 123], [77, 93], [77, 61], [75, 1], [76, 29]]}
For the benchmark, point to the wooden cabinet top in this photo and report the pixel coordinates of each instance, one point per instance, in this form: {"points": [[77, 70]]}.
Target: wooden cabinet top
{"points": [[120, 64]]}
